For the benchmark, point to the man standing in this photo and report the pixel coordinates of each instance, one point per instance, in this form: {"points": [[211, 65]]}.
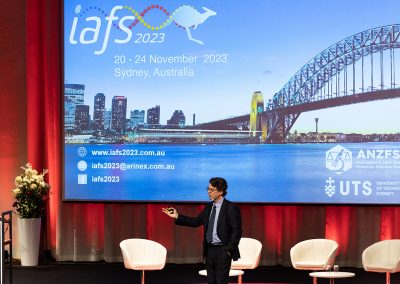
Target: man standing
{"points": [[222, 230]]}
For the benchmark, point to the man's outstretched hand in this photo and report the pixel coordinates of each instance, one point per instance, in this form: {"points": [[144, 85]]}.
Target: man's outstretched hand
{"points": [[171, 212]]}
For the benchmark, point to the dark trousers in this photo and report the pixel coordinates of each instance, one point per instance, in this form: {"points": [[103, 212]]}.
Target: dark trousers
{"points": [[218, 264]]}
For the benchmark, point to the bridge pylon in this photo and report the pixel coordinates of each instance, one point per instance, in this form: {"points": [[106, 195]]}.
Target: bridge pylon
{"points": [[275, 122], [256, 110], [278, 124]]}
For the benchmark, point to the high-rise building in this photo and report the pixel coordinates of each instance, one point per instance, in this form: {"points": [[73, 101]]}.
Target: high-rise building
{"points": [[82, 118], [73, 96], [178, 119], [98, 111], [137, 118], [107, 119], [118, 109], [153, 117]]}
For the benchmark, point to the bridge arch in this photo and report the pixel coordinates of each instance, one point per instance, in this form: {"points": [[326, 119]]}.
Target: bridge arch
{"points": [[324, 71]]}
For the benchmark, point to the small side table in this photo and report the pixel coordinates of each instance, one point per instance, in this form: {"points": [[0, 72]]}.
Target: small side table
{"points": [[331, 275]]}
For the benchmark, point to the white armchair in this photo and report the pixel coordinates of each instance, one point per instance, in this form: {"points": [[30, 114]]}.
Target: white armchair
{"points": [[314, 254], [142, 254], [383, 256], [250, 253]]}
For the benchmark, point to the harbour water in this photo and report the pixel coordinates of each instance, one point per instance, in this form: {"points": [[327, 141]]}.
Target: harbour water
{"points": [[262, 173]]}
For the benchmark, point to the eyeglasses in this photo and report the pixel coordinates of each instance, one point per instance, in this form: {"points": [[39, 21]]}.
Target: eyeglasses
{"points": [[211, 189]]}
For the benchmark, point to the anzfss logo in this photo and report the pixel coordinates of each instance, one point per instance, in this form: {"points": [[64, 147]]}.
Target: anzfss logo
{"points": [[339, 159]]}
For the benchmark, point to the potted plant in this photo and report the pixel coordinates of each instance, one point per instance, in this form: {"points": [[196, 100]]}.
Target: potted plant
{"points": [[30, 193]]}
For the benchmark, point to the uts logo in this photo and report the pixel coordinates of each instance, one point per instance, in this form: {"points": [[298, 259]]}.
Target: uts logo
{"points": [[348, 187], [338, 159], [330, 188]]}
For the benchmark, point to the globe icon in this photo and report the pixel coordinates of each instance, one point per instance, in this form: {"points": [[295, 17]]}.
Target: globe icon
{"points": [[82, 151]]}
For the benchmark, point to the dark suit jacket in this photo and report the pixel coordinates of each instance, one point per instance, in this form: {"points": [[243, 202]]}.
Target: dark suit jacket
{"points": [[229, 226]]}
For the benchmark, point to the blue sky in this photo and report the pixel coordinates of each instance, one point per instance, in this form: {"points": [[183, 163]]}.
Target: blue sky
{"points": [[266, 42]]}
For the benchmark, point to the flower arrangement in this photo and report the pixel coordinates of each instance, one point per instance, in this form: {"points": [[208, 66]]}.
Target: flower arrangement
{"points": [[30, 192]]}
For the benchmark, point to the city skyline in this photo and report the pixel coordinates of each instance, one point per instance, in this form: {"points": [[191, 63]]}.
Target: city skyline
{"points": [[83, 115]]}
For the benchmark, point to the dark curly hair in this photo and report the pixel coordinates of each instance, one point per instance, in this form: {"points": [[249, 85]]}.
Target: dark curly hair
{"points": [[220, 184]]}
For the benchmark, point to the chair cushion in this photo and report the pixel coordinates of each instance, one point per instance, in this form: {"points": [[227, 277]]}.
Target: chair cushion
{"points": [[242, 264], [310, 265], [146, 266], [232, 272], [379, 268]]}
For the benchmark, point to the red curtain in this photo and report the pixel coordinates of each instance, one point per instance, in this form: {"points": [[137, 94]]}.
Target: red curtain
{"points": [[12, 98], [44, 95], [97, 228]]}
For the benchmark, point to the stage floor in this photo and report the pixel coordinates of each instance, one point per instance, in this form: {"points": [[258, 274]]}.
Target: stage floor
{"points": [[115, 273]]}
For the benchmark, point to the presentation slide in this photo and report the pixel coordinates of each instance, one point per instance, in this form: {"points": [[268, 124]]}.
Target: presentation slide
{"points": [[293, 102]]}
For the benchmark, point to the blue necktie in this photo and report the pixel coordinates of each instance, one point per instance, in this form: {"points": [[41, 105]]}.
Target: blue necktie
{"points": [[211, 225]]}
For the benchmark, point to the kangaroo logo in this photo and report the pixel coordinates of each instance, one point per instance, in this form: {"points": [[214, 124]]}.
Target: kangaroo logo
{"points": [[188, 17], [338, 159], [185, 16]]}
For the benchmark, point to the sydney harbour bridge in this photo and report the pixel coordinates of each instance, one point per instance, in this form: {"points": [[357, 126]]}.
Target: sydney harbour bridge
{"points": [[359, 68]]}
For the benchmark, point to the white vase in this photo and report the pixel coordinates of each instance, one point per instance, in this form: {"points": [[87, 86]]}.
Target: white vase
{"points": [[29, 240]]}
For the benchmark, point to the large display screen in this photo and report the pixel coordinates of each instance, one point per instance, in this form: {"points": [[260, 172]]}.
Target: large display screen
{"points": [[290, 101]]}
